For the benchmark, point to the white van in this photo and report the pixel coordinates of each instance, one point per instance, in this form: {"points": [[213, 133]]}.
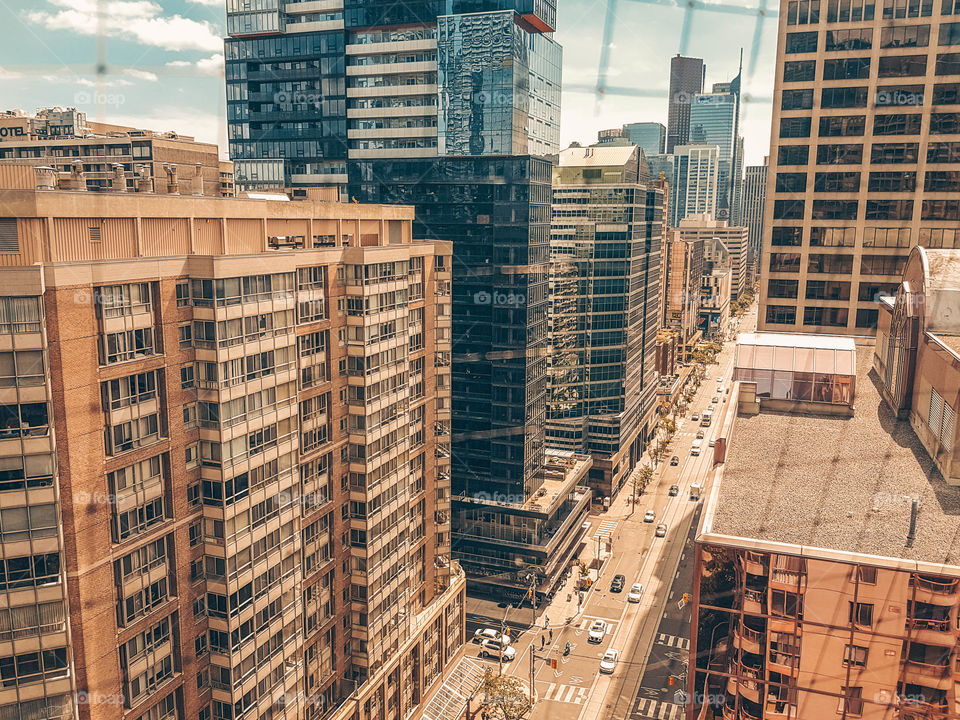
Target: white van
{"points": [[695, 448]]}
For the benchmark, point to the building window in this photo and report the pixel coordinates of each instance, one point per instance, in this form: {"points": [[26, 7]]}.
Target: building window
{"points": [[946, 94], [889, 210], [867, 574], [943, 152], [842, 125], [33, 666], [827, 290], [799, 70], [801, 42], [788, 209], [20, 315], [882, 265], [906, 9], [186, 377], [887, 237], [803, 12], [839, 264], [836, 182], [782, 288], [847, 154], [832, 236], [950, 34], [893, 181], [852, 701], [855, 655], [792, 155], [940, 210], [861, 614], [899, 124], [795, 127], [845, 40], [902, 66], [786, 604], [905, 36], [941, 419], [797, 99], [786, 236], [846, 69], [785, 262], [835, 210], [867, 318], [894, 153], [944, 123], [843, 97], [791, 182], [29, 571], [825, 316], [782, 314], [852, 11]]}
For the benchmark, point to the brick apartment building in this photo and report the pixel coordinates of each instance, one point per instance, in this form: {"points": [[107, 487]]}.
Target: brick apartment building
{"points": [[230, 420]]}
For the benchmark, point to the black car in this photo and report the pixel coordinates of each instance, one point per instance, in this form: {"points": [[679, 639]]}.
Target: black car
{"points": [[674, 490], [674, 460], [618, 582]]}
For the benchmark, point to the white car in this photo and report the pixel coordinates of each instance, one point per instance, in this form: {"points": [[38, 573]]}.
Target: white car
{"points": [[597, 631], [636, 593], [609, 661], [493, 649], [712, 442], [649, 516], [490, 634]]}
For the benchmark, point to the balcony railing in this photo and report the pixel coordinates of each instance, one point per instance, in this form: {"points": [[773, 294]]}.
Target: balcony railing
{"points": [[929, 624], [931, 670], [749, 633], [941, 587]]}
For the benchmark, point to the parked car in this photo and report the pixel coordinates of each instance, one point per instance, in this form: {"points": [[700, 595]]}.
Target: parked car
{"points": [[636, 593], [493, 649], [674, 490], [609, 661], [618, 582], [489, 633], [649, 516], [699, 434], [661, 530], [674, 460], [712, 442], [597, 631]]}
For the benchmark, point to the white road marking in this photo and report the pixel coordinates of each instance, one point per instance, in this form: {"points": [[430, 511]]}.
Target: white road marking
{"points": [[673, 641]]}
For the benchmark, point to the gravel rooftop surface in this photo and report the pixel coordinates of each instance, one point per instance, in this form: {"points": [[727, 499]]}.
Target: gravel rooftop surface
{"points": [[838, 483]]}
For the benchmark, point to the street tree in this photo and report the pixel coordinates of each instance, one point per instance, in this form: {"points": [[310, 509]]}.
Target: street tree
{"points": [[643, 478], [505, 696]]}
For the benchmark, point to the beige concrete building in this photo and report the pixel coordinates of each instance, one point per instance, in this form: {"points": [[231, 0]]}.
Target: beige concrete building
{"points": [[685, 272], [230, 421], [827, 577], [864, 157], [734, 240], [100, 156]]}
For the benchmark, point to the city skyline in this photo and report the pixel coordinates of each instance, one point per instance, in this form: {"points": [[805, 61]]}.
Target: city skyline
{"points": [[51, 62]]}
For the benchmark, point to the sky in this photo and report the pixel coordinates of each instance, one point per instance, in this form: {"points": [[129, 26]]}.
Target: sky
{"points": [[164, 61]]}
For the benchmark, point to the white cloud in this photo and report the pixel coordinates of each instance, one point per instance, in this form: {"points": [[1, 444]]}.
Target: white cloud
{"points": [[208, 3], [212, 65], [205, 127], [136, 20], [140, 74], [9, 74]]}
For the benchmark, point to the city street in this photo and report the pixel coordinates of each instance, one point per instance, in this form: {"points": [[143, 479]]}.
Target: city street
{"points": [[652, 635]]}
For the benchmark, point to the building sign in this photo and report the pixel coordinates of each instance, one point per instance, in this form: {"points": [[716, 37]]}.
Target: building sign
{"points": [[15, 131]]}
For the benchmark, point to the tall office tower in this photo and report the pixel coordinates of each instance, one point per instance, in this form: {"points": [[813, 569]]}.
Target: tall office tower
{"points": [[847, 604], [687, 75], [714, 120], [425, 109], [715, 288], [651, 137], [236, 413], [877, 85], [734, 239], [665, 164], [605, 268], [685, 275], [117, 157], [754, 190], [695, 188]]}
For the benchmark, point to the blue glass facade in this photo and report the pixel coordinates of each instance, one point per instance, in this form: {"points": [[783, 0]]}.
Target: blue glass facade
{"points": [[649, 136]]}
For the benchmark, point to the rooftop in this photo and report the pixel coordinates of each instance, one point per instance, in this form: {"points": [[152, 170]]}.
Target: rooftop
{"points": [[596, 155], [836, 483]]}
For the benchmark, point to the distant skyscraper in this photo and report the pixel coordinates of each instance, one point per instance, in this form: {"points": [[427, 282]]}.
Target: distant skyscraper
{"points": [[686, 80], [651, 137], [695, 181], [754, 189], [605, 266]]}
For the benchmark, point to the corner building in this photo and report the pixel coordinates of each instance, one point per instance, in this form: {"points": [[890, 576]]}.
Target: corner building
{"points": [[236, 414], [864, 157]]}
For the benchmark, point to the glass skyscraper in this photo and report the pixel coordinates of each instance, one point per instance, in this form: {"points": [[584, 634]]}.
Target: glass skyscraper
{"points": [[713, 121], [448, 106], [651, 137]]}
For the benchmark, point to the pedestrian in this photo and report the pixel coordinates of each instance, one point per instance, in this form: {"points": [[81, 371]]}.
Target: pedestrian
{"points": [[541, 642], [551, 636]]}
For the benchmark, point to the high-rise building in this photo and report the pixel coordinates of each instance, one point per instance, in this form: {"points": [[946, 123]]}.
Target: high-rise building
{"points": [[715, 120], [685, 270], [440, 117], [103, 156], [827, 572], [754, 190], [687, 76], [715, 288], [733, 239], [876, 85], [605, 268], [651, 137], [695, 187], [667, 165], [233, 430]]}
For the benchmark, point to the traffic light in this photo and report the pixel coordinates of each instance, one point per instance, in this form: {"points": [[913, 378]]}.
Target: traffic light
{"points": [[671, 680], [686, 597], [553, 663]]}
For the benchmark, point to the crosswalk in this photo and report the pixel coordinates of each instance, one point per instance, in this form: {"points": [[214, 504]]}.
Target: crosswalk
{"points": [[565, 694], [656, 710], [673, 641], [606, 529], [586, 622]]}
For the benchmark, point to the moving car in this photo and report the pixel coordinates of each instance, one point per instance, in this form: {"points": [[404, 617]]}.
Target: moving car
{"points": [[661, 530], [618, 582], [695, 417], [674, 460], [636, 593], [493, 649], [695, 448], [695, 491], [699, 434], [609, 661], [597, 631], [715, 399], [712, 442], [674, 490], [649, 516], [490, 634]]}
